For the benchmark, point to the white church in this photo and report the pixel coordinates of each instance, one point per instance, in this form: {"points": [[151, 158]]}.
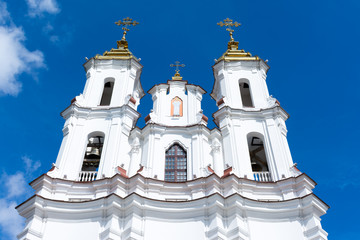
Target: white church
{"points": [[174, 178]]}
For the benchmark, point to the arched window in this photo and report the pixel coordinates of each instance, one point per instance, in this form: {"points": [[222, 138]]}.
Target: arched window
{"points": [[176, 107], [245, 94], [92, 157], [258, 159], [175, 164], [107, 93]]}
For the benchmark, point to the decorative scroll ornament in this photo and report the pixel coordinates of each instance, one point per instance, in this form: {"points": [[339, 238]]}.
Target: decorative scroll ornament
{"points": [[216, 147], [135, 146], [177, 74]]}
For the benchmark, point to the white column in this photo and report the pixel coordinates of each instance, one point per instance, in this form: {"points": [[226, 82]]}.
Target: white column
{"points": [[134, 157], [217, 161]]}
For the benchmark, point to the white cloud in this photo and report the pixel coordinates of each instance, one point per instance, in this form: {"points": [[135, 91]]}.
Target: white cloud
{"points": [[10, 221], [48, 30], [15, 184], [54, 39], [30, 165], [4, 14], [15, 58], [14, 189], [38, 7]]}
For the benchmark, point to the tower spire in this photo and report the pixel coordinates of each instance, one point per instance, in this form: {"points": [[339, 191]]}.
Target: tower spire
{"points": [[233, 53], [122, 51]]}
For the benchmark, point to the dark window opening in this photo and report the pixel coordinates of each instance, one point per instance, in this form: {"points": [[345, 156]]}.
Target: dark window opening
{"points": [[107, 93], [93, 154], [258, 155], [245, 95]]}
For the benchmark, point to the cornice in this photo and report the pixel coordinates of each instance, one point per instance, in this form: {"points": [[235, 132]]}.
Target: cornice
{"points": [[166, 85], [304, 206], [196, 87], [263, 113], [98, 112], [160, 190], [128, 63], [186, 128], [242, 64], [232, 176]]}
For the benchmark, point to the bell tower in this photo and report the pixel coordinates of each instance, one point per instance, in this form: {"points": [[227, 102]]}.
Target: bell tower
{"points": [[105, 113], [251, 121]]}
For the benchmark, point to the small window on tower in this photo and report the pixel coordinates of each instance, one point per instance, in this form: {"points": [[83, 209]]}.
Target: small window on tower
{"points": [[107, 93], [176, 107], [245, 94]]}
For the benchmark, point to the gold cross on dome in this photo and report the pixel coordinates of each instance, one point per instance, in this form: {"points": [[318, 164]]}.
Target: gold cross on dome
{"points": [[126, 22], [229, 23], [177, 65]]}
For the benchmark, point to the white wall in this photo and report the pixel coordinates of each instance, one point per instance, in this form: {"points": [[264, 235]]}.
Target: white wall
{"points": [[76, 229], [175, 230], [277, 230]]}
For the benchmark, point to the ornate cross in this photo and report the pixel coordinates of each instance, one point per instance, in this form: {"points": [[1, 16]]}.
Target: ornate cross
{"points": [[229, 23], [177, 65], [125, 23]]}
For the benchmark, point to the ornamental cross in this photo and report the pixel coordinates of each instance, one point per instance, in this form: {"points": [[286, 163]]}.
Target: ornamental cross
{"points": [[177, 65], [125, 23], [229, 23]]}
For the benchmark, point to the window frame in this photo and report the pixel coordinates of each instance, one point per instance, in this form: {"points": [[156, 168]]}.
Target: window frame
{"points": [[176, 99], [175, 164]]}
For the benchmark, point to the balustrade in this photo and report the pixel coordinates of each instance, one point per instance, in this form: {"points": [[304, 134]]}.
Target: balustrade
{"points": [[87, 176], [262, 176]]}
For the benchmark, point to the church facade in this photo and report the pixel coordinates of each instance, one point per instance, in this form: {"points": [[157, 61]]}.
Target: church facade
{"points": [[175, 178]]}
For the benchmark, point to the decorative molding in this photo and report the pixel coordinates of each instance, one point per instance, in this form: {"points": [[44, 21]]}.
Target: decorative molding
{"points": [[123, 186]]}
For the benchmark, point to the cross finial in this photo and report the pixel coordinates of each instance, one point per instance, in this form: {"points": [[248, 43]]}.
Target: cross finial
{"points": [[126, 22], [177, 65], [229, 23]]}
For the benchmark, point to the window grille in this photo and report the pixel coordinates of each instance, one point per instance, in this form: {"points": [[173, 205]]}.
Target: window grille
{"points": [[175, 164]]}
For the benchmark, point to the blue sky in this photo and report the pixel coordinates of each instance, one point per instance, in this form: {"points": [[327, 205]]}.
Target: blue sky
{"points": [[312, 48]]}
